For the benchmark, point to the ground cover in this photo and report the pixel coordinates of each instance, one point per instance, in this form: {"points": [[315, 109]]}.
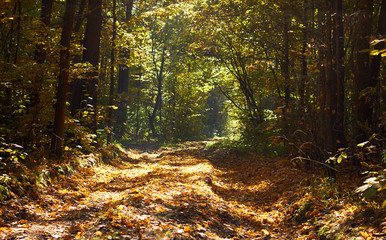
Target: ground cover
{"points": [[192, 191]]}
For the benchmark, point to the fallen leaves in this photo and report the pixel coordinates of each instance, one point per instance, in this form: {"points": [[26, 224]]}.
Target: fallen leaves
{"points": [[194, 193]]}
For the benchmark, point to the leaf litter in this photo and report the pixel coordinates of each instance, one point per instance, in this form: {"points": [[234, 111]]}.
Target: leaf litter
{"points": [[192, 192]]}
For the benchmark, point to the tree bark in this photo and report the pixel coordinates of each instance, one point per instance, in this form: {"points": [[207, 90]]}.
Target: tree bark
{"points": [[376, 64], [322, 74], [123, 81], [331, 90], [158, 101], [338, 62], [304, 58], [91, 55], [362, 80], [112, 77], [45, 18], [64, 74], [40, 58], [77, 84], [286, 75]]}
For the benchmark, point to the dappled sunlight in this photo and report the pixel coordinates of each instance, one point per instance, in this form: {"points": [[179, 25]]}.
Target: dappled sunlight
{"points": [[203, 168], [181, 194]]}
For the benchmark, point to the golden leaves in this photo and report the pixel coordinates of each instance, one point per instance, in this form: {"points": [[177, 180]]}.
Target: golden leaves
{"points": [[182, 192]]}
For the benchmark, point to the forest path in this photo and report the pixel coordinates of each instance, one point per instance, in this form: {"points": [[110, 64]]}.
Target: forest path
{"points": [[189, 192]]}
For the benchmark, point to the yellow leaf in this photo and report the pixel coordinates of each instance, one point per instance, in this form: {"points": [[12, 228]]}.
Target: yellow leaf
{"points": [[187, 229], [265, 232], [79, 234], [98, 233]]}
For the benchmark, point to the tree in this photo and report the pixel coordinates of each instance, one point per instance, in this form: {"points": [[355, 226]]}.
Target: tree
{"points": [[363, 85], [45, 18], [40, 58], [64, 75], [376, 64], [123, 79], [112, 76], [86, 99], [158, 101], [304, 58], [338, 67]]}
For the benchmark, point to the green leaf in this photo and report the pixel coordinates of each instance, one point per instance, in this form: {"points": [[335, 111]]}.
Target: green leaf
{"points": [[369, 193]]}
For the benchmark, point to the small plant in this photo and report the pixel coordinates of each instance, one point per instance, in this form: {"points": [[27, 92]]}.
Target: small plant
{"points": [[374, 186]]}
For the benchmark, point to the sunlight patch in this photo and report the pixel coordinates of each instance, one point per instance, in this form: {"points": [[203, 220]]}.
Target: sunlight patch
{"points": [[198, 168]]}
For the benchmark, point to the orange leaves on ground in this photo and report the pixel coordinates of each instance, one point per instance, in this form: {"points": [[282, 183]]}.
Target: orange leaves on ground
{"points": [[195, 193]]}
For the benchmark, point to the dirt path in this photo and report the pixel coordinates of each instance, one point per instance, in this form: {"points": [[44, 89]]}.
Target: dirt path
{"points": [[178, 193]]}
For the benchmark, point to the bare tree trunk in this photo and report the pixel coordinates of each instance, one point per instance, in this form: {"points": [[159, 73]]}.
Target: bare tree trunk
{"points": [[45, 18], [77, 85], [304, 58], [64, 74], [91, 55], [286, 74], [40, 57], [362, 79], [158, 101], [123, 81], [322, 74], [338, 42], [112, 77], [330, 88], [376, 64]]}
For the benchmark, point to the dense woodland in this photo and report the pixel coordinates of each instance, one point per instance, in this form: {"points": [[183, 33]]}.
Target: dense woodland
{"points": [[302, 79]]}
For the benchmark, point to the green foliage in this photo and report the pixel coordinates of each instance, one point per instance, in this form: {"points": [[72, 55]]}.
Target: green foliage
{"points": [[325, 190], [374, 187]]}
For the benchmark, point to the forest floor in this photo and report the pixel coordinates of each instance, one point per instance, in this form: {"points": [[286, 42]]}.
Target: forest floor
{"points": [[192, 192]]}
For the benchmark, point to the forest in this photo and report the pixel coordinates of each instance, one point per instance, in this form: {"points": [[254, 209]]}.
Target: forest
{"points": [[192, 119]]}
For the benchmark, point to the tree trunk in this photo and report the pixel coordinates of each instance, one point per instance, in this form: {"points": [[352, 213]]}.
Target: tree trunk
{"points": [[286, 75], [362, 80], [45, 18], [40, 58], [64, 74], [91, 55], [322, 74], [376, 63], [304, 58], [158, 101], [338, 43], [330, 88], [138, 98], [123, 81], [335, 137], [76, 85], [112, 77]]}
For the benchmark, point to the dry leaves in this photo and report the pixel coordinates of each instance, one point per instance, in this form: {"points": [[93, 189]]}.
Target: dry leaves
{"points": [[192, 193]]}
